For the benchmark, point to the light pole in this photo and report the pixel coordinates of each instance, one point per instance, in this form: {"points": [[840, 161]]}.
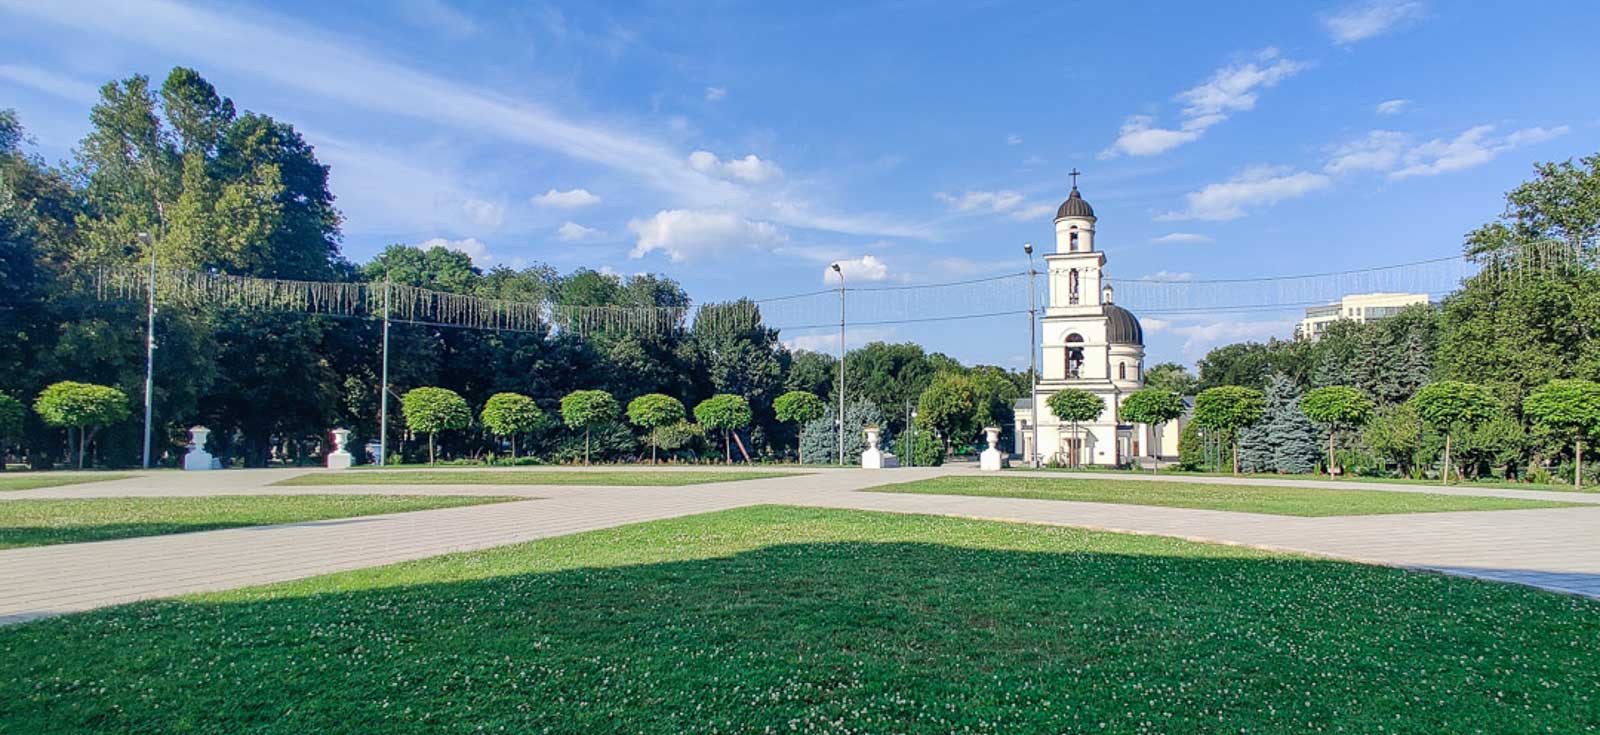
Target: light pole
{"points": [[837, 270], [149, 347], [1033, 361], [383, 391]]}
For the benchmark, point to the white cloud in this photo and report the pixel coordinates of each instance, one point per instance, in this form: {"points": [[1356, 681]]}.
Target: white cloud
{"points": [[987, 201], [1364, 21], [471, 246], [1473, 147], [750, 168], [1033, 211], [1201, 337], [715, 94], [51, 83], [864, 268], [1013, 139], [1182, 238], [1169, 276], [828, 341], [1392, 107], [484, 212], [691, 234], [1256, 186], [574, 232], [569, 199], [1154, 325], [1380, 150], [1230, 89]]}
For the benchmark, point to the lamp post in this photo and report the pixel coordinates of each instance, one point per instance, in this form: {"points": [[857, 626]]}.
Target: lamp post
{"points": [[149, 347], [1033, 358], [840, 272]]}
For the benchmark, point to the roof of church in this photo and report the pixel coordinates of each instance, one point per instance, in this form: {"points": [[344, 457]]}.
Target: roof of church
{"points": [[1122, 327], [1074, 206]]}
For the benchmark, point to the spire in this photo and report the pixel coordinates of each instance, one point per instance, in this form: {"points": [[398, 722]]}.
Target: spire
{"points": [[1074, 174]]}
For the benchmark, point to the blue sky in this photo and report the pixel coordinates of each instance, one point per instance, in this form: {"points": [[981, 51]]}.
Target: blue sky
{"points": [[742, 147]]}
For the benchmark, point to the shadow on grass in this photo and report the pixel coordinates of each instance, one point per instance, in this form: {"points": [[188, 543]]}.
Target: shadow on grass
{"points": [[869, 637], [22, 536]]}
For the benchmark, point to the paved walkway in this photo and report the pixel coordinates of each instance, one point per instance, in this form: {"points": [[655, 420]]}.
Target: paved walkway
{"points": [[1556, 548]]}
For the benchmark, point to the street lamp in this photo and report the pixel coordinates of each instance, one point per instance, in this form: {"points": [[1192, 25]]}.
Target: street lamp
{"points": [[1033, 357], [149, 346], [840, 272]]}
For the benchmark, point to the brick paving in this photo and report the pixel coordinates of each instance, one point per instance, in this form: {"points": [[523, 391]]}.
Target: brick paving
{"points": [[1556, 549]]}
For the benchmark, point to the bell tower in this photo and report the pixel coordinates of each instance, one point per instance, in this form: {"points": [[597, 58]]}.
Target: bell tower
{"points": [[1075, 266]]}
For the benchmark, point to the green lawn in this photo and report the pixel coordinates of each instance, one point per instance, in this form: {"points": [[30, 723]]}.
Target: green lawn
{"points": [[29, 482], [46, 522], [528, 477], [1289, 501], [1485, 484], [777, 619]]}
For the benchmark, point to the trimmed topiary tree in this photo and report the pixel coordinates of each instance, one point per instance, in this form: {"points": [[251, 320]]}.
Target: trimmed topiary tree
{"points": [[432, 410], [798, 407], [1076, 406], [1339, 408], [12, 414], [1228, 409], [1152, 406], [729, 413], [587, 409], [84, 407], [509, 414], [653, 411], [1451, 407], [1569, 409]]}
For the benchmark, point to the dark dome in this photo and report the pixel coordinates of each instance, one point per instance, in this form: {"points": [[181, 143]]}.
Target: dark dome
{"points": [[1122, 327], [1074, 206]]}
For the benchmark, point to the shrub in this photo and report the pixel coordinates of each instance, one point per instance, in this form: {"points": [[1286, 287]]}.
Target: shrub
{"points": [[926, 453], [84, 407], [510, 414]]}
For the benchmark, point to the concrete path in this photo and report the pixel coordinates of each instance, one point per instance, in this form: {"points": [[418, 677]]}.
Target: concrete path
{"points": [[1557, 549]]}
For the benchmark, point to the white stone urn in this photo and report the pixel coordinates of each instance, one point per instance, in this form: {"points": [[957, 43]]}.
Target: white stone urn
{"points": [[872, 459], [991, 459], [198, 458], [340, 458]]}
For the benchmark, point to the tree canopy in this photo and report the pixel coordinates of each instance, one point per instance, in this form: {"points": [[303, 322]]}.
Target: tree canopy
{"points": [[587, 409], [509, 414], [726, 412], [652, 412], [1453, 407], [1571, 410], [1227, 409], [1338, 407], [431, 410]]}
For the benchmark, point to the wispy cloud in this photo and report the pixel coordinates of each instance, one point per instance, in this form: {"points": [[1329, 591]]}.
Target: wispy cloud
{"points": [[1380, 150], [1182, 238], [1231, 89], [51, 83], [574, 232], [1169, 276], [715, 94], [685, 235], [1220, 329], [1013, 139], [827, 341], [1360, 22], [1392, 107], [1254, 187], [569, 199], [438, 16], [1004, 201], [1398, 155]]}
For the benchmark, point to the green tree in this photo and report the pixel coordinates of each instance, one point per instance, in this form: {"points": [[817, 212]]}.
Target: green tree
{"points": [[12, 414], [587, 409], [680, 435], [1228, 409], [1338, 407], [949, 406], [1451, 407], [1284, 441], [431, 410], [1076, 406], [1152, 406], [1569, 409], [508, 414], [652, 412], [729, 413], [1394, 433], [84, 407], [819, 438], [798, 407], [1172, 377]]}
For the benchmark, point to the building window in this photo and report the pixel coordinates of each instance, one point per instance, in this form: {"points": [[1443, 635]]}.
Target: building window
{"points": [[1122, 371], [1072, 286], [1074, 356], [1073, 238]]}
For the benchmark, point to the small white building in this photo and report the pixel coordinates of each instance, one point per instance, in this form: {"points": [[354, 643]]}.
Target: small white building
{"points": [[1361, 308], [1089, 343]]}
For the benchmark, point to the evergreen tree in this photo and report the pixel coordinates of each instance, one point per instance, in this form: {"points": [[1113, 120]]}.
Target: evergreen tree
{"points": [[1284, 441], [819, 440]]}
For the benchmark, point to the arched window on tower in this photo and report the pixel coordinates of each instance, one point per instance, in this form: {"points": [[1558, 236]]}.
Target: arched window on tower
{"points": [[1074, 355], [1072, 286], [1073, 239], [1122, 371]]}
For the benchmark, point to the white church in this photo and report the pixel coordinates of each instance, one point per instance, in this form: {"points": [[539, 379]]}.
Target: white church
{"points": [[1091, 344]]}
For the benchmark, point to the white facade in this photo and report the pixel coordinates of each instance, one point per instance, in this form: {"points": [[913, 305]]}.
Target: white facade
{"points": [[1088, 344], [1361, 307]]}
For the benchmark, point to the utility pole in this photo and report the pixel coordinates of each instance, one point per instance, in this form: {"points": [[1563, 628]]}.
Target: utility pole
{"points": [[911, 440], [383, 394], [1033, 360], [149, 347], [840, 364]]}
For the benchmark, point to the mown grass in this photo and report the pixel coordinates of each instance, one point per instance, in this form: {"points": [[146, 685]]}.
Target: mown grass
{"points": [[672, 478], [33, 481], [47, 522], [777, 619], [1494, 483], [1291, 501]]}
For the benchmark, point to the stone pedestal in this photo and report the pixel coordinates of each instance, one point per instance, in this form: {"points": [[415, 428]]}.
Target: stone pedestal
{"points": [[198, 458], [872, 459], [991, 459], [340, 458]]}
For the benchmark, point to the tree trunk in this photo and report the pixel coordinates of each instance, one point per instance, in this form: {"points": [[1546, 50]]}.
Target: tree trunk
{"points": [[652, 446], [1330, 452], [797, 459], [81, 442], [742, 451], [727, 448], [586, 445], [513, 446], [1445, 473], [1579, 469], [1236, 456], [431, 457]]}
